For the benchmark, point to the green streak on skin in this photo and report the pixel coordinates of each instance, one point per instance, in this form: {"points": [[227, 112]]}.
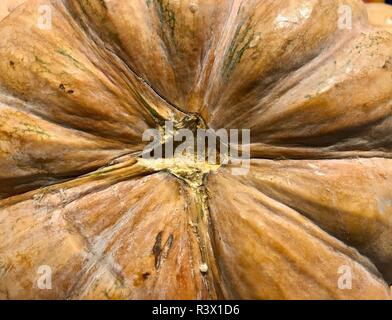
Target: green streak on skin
{"points": [[166, 15], [157, 117], [75, 62], [39, 60], [33, 129], [241, 42], [42, 64]]}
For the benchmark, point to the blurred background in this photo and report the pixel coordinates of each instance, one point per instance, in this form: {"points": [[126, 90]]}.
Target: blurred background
{"points": [[387, 1]]}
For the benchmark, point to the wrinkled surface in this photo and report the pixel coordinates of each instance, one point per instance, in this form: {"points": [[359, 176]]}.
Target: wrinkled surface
{"points": [[76, 99], [105, 257], [281, 254]]}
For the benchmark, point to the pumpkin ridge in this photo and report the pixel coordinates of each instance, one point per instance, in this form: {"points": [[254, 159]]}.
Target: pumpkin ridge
{"points": [[276, 210], [158, 115], [330, 206]]}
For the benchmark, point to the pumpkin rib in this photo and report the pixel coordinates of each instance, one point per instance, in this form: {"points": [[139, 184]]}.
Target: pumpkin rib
{"points": [[99, 94], [193, 176], [351, 124], [24, 165], [281, 48], [265, 151], [104, 180], [116, 172], [20, 105], [31, 147], [284, 85], [126, 171], [154, 104], [90, 12], [295, 78], [159, 114], [333, 195], [79, 286], [362, 259], [247, 277], [70, 120], [91, 227], [152, 35], [311, 28]]}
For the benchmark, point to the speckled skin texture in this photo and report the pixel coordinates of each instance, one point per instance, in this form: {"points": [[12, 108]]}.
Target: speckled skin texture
{"points": [[76, 99]]}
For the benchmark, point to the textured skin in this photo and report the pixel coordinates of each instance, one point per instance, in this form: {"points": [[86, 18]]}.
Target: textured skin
{"points": [[7, 6], [76, 99]]}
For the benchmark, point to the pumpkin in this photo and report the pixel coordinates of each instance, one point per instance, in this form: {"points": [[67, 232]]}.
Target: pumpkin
{"points": [[79, 202], [380, 15]]}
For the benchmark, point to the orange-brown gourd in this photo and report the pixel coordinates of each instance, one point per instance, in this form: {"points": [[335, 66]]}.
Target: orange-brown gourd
{"points": [[79, 201]]}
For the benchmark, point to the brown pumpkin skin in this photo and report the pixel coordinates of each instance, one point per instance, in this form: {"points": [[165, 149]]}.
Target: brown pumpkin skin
{"points": [[380, 15], [76, 196], [7, 6]]}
